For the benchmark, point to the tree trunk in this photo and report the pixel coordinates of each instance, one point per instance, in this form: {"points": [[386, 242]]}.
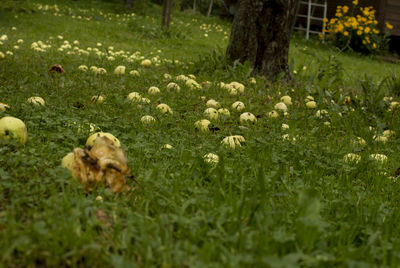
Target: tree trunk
{"points": [[166, 13], [170, 8], [194, 5], [177, 5], [130, 3], [210, 8], [260, 34]]}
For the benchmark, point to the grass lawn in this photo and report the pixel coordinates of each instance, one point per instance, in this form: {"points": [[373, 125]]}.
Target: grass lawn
{"points": [[289, 196]]}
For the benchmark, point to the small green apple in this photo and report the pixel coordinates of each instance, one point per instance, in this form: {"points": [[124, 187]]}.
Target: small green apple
{"points": [[211, 159], [97, 99], [147, 119], [13, 127], [239, 106], [202, 125], [68, 162], [211, 113], [4, 106], [213, 104], [153, 90], [164, 108], [134, 97], [247, 118], [224, 111], [93, 137], [37, 101]]}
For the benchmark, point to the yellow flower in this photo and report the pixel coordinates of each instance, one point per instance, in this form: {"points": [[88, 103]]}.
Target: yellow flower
{"points": [[346, 33], [339, 27], [389, 26], [355, 2], [345, 9], [359, 32], [374, 45], [367, 29]]}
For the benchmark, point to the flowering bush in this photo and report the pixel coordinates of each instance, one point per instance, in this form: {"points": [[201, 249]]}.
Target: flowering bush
{"points": [[357, 28]]}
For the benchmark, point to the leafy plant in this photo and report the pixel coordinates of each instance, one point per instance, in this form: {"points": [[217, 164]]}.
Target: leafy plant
{"points": [[357, 30]]}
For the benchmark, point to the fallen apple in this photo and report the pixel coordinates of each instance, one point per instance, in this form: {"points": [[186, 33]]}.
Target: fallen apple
{"points": [[4, 106], [120, 69], [211, 159], [164, 108], [11, 127], [286, 100], [238, 86], [153, 90], [134, 97], [146, 63], [202, 125], [90, 141], [213, 104], [238, 106], [102, 162], [83, 68], [97, 99], [246, 118], [311, 104], [352, 158], [224, 111], [308, 98], [273, 114], [192, 84], [233, 141], [167, 146], [281, 107], [68, 163], [181, 78], [134, 73], [173, 86], [211, 113], [147, 119], [37, 101], [145, 100]]}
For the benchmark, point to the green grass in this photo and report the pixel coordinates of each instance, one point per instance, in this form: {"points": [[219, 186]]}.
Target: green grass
{"points": [[271, 202]]}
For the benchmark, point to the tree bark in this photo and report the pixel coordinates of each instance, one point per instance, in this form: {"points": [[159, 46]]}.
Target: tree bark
{"points": [[130, 3], [260, 34], [170, 8], [166, 13], [194, 5], [210, 8]]}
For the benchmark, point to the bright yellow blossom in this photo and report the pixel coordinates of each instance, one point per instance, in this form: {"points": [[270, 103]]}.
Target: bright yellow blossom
{"points": [[389, 26]]}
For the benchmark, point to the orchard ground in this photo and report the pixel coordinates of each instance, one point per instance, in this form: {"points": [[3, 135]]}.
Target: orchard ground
{"points": [[306, 188]]}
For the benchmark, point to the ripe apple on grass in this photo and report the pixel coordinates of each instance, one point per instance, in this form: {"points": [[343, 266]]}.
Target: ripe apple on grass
{"points": [[11, 127]]}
